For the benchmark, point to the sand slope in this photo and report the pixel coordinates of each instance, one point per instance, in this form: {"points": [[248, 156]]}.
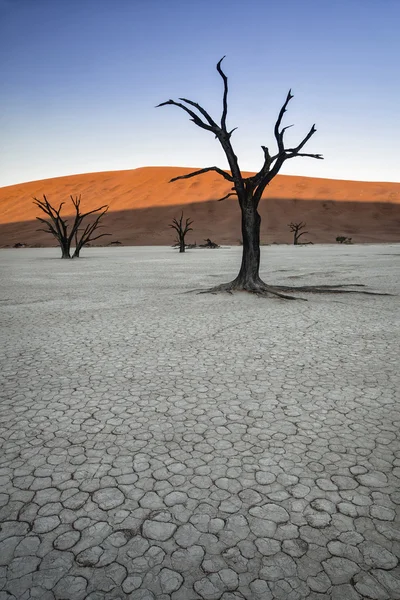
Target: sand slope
{"points": [[142, 203]]}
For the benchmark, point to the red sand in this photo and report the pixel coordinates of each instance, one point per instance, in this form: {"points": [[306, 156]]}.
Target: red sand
{"points": [[142, 204]]}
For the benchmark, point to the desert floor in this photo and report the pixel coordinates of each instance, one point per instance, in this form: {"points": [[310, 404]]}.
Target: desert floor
{"points": [[157, 444]]}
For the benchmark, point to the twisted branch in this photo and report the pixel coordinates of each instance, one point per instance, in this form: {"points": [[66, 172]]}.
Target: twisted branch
{"points": [[201, 171], [225, 97]]}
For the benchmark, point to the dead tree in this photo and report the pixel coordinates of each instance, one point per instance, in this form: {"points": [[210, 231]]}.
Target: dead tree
{"points": [[248, 190], [65, 235], [181, 230], [296, 228]]}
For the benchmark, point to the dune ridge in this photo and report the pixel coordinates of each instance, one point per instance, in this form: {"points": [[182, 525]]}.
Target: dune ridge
{"points": [[142, 203]]}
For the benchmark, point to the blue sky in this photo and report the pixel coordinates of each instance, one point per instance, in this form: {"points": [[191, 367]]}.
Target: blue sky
{"points": [[80, 80]]}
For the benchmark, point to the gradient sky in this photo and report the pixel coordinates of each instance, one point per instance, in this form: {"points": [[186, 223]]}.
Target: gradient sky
{"points": [[80, 80]]}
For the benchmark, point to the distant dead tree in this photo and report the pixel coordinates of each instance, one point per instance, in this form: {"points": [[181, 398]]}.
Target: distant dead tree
{"points": [[296, 229], [181, 230], [79, 233]]}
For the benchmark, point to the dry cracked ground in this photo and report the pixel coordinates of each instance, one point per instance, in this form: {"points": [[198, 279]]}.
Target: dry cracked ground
{"points": [[163, 445]]}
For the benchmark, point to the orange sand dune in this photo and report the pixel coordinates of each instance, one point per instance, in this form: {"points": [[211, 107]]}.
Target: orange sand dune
{"points": [[142, 203]]}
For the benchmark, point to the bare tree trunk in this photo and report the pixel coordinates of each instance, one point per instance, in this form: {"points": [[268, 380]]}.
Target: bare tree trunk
{"points": [[182, 245], [65, 251], [249, 270], [77, 247]]}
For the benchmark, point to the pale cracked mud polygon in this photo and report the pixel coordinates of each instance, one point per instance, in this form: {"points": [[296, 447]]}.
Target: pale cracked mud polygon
{"points": [[162, 445]]}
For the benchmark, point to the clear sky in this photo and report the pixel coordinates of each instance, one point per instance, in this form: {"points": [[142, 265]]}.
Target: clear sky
{"points": [[80, 80]]}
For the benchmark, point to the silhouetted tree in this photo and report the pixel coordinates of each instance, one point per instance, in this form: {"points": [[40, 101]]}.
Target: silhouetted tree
{"points": [[248, 190], [296, 228], [181, 230], [65, 235]]}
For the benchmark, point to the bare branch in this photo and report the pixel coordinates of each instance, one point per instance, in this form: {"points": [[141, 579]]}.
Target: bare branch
{"points": [[319, 156], [227, 196], [195, 118], [295, 151], [286, 153], [98, 236], [279, 134], [44, 221], [284, 129], [58, 223], [76, 201], [49, 225], [201, 171], [105, 207], [77, 221], [221, 133], [267, 155], [46, 207], [45, 203], [296, 226], [202, 111], [46, 231], [265, 168], [90, 228], [225, 98]]}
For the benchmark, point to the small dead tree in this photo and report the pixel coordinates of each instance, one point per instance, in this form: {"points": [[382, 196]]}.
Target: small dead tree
{"points": [[65, 235], [181, 230], [296, 229]]}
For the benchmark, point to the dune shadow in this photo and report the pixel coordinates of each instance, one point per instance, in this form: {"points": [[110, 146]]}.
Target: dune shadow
{"points": [[364, 222]]}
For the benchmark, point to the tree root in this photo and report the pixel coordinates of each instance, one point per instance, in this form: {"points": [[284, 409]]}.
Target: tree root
{"points": [[260, 288], [333, 289]]}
